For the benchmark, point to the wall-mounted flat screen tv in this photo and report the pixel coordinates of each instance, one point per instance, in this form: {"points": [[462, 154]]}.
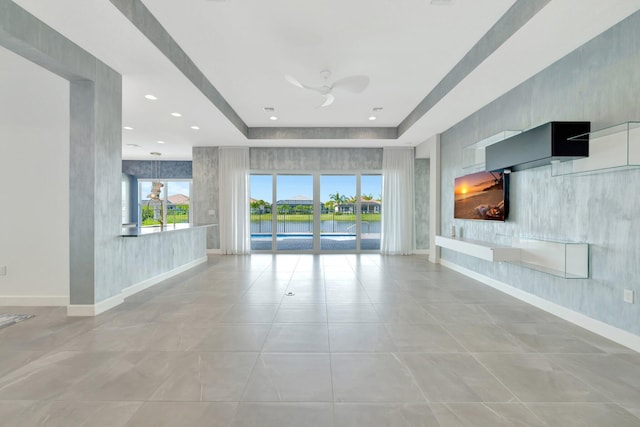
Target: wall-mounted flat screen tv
{"points": [[482, 196]]}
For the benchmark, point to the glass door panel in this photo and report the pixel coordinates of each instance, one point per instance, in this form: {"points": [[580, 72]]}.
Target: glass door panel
{"points": [[261, 199], [294, 207], [338, 217], [370, 212]]}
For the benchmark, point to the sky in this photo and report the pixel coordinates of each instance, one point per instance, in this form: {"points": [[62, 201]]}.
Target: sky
{"points": [[290, 186]]}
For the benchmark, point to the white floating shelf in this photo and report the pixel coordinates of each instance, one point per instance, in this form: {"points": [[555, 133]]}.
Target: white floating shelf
{"points": [[610, 149], [562, 259], [483, 250], [473, 156]]}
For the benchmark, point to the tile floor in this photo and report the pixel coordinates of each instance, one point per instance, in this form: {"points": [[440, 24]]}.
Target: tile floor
{"points": [[365, 341]]}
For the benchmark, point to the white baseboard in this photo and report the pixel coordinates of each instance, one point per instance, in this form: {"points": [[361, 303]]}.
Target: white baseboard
{"points": [[109, 303], [34, 301], [617, 335], [422, 252], [214, 251]]}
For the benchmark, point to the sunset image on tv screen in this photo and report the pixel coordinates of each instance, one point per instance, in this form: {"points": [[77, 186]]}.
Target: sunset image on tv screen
{"points": [[480, 196]]}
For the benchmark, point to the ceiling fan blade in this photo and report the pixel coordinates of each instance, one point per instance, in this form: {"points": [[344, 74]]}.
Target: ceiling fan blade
{"points": [[294, 81], [355, 84], [328, 100]]}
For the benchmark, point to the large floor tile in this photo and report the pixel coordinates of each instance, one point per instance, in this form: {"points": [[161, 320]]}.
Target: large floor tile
{"points": [[352, 313], [534, 378], [284, 415], [250, 313], [454, 312], [66, 413], [372, 378], [455, 378], [486, 415], [548, 338], [12, 360], [477, 338], [241, 337], [298, 338], [384, 415], [518, 313], [305, 313], [290, 378], [184, 414], [403, 313], [584, 415], [422, 338], [362, 337], [616, 377]]}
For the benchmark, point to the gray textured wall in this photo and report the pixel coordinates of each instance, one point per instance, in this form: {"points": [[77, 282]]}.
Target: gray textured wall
{"points": [[205, 187], [316, 159], [421, 171], [153, 254], [166, 169], [598, 82]]}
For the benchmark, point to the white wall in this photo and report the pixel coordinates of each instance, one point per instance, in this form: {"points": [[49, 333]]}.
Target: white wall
{"points": [[34, 184]]}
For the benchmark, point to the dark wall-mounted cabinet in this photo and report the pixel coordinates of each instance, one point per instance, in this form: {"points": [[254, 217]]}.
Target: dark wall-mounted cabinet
{"points": [[539, 146]]}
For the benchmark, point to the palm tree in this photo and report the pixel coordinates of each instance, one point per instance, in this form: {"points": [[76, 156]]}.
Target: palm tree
{"points": [[367, 196]]}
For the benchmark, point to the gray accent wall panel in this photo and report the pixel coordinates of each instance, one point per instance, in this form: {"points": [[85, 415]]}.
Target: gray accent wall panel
{"points": [[205, 187], [598, 82], [316, 159], [146, 169], [421, 204], [151, 255]]}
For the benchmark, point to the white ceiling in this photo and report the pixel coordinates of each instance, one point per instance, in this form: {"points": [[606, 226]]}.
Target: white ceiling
{"points": [[245, 47]]}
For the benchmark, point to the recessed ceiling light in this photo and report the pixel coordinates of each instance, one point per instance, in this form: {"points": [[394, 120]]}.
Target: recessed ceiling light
{"points": [[372, 118], [127, 128], [273, 118], [155, 153], [269, 109], [150, 97], [176, 114], [195, 127], [133, 145], [160, 142], [377, 109]]}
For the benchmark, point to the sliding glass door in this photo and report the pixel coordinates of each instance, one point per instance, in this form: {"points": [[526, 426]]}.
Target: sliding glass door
{"points": [[315, 212], [338, 226], [260, 202], [294, 207], [370, 212]]}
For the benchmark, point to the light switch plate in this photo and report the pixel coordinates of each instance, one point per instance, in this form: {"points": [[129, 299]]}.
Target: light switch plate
{"points": [[628, 296]]}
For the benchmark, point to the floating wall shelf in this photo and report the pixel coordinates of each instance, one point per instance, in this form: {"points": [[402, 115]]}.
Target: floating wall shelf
{"points": [[561, 259], [483, 250], [473, 156], [610, 149]]}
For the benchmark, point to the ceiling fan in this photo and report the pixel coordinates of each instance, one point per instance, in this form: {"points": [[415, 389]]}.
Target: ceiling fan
{"points": [[354, 84]]}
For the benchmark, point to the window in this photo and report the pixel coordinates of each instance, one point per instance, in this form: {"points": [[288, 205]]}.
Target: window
{"points": [[167, 203]]}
